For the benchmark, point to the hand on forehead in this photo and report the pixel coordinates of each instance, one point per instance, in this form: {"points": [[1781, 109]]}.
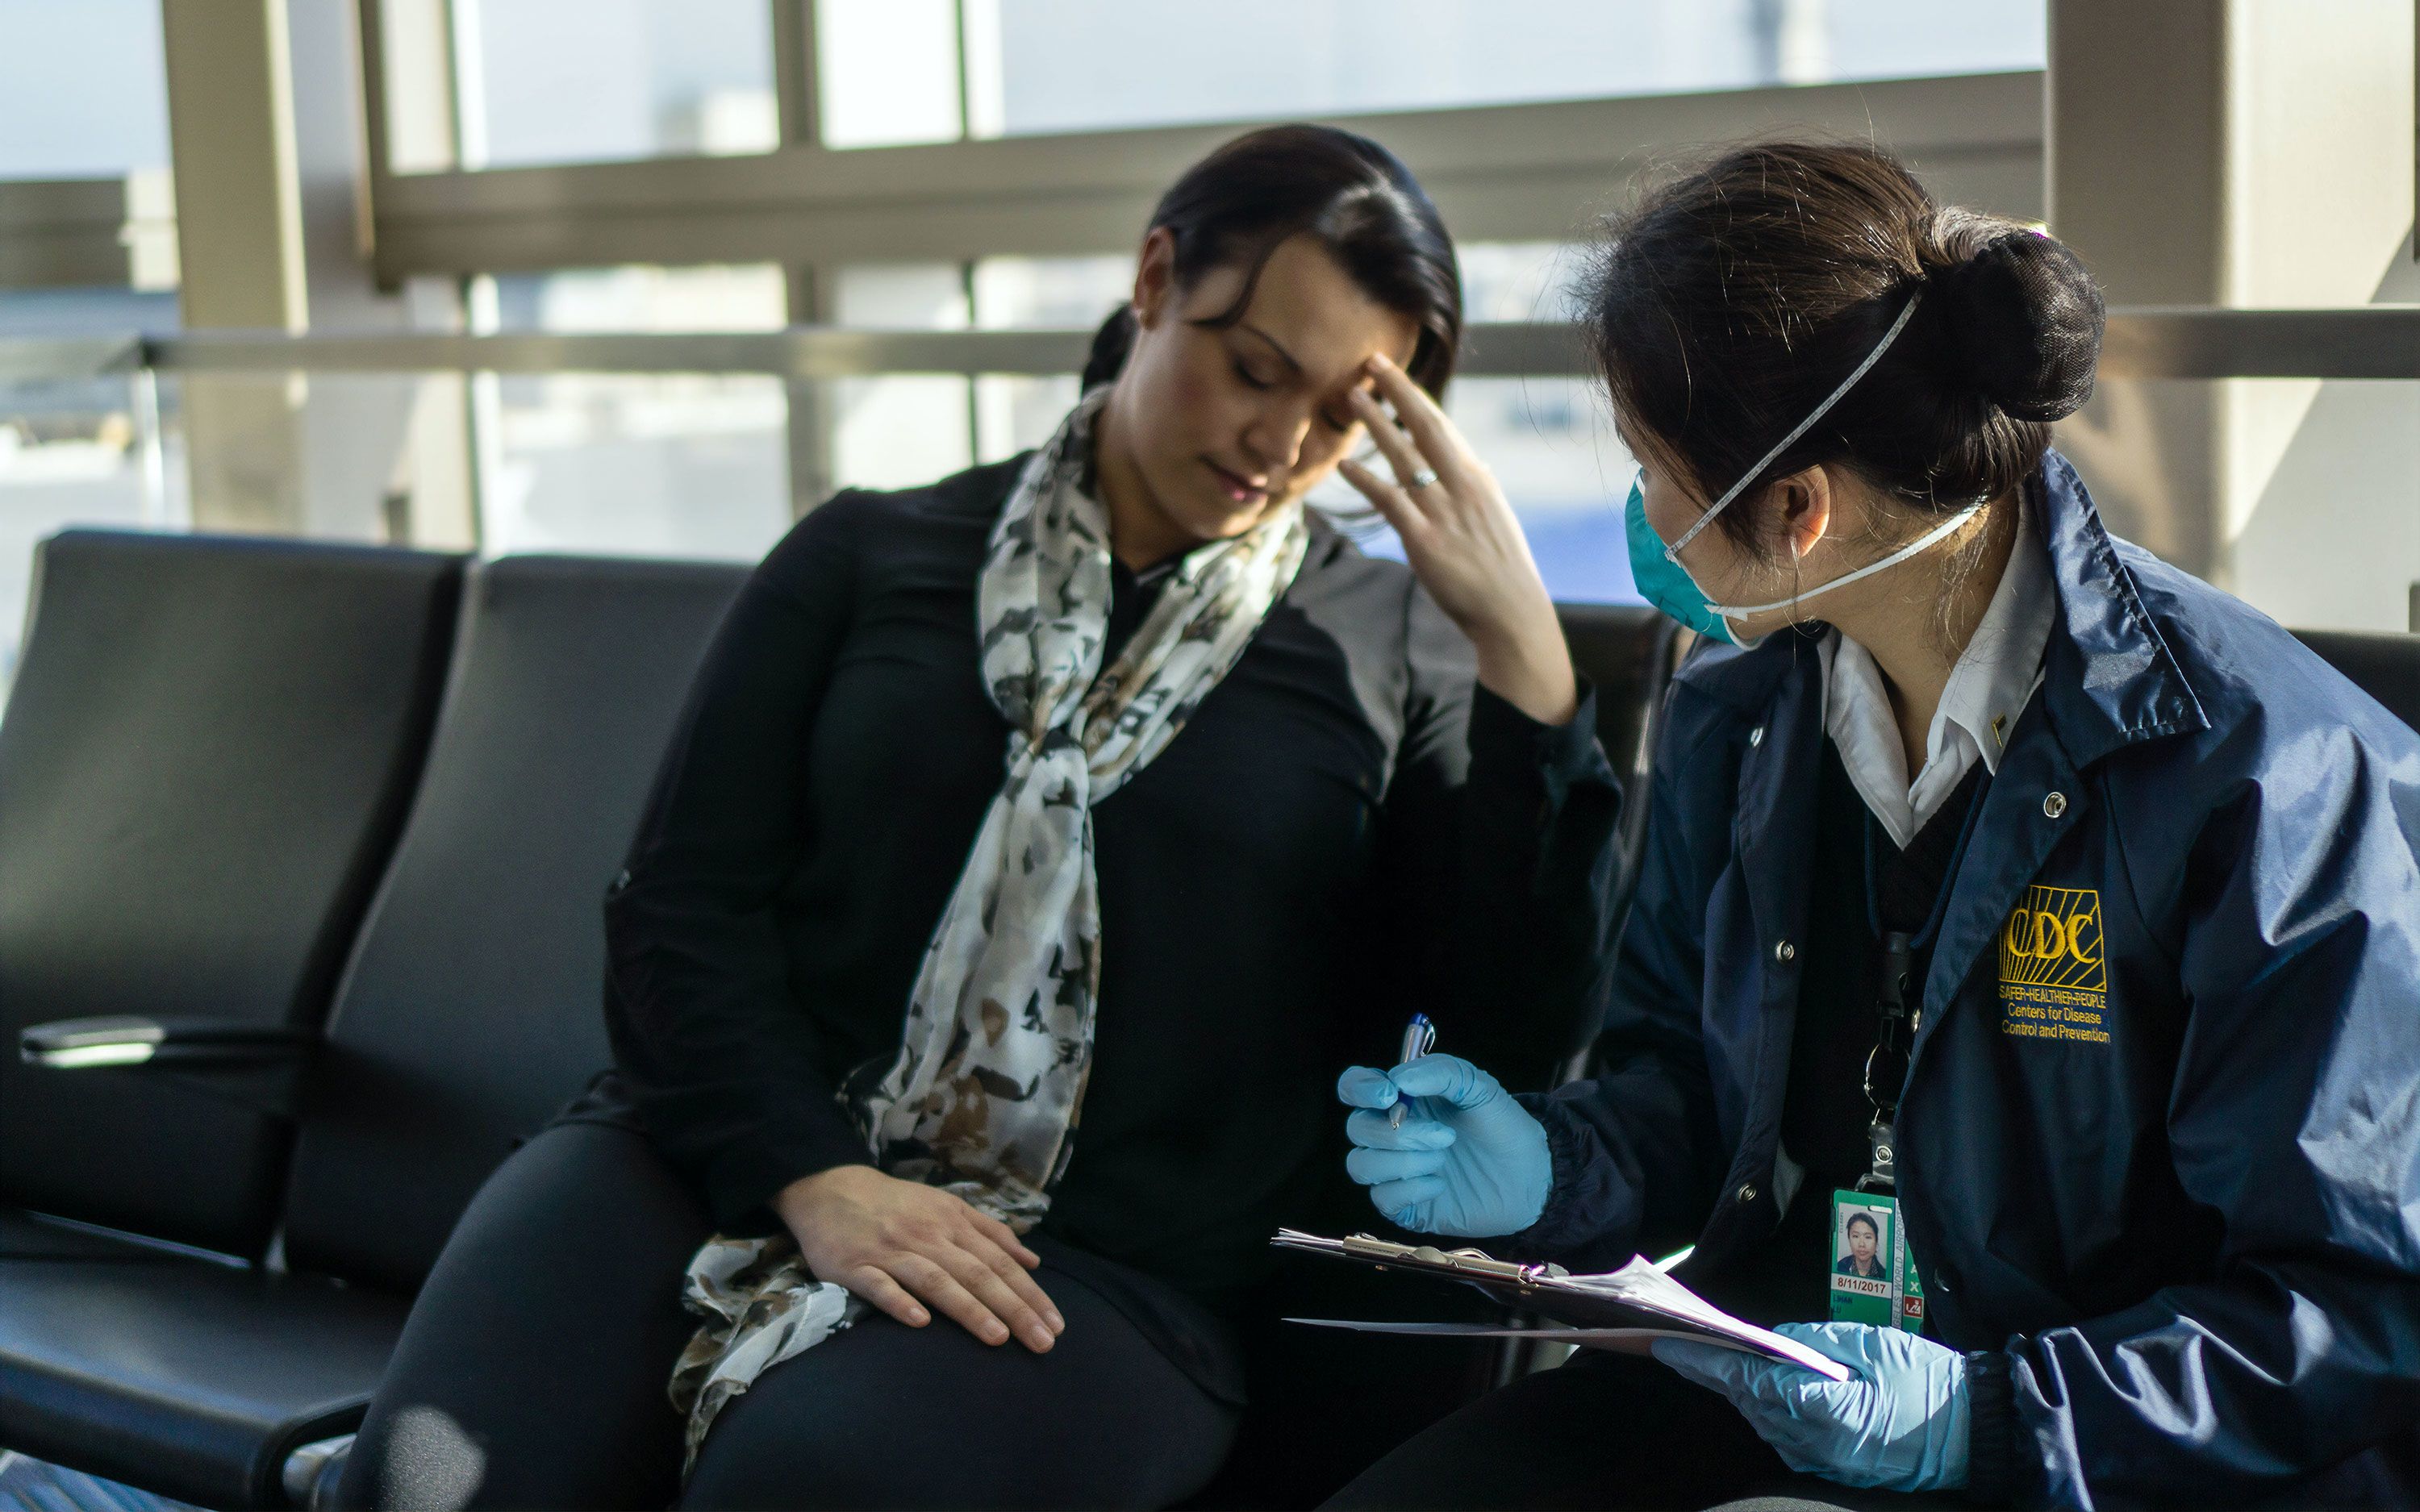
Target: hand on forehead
{"points": [[1306, 315]]}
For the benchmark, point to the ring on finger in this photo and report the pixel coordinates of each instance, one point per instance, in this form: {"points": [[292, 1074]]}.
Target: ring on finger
{"points": [[1424, 478]]}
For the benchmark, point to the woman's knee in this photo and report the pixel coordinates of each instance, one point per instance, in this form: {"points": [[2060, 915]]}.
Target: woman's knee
{"points": [[536, 1354]]}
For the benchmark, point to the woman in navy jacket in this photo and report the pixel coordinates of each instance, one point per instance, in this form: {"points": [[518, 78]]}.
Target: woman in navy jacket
{"points": [[2118, 996]]}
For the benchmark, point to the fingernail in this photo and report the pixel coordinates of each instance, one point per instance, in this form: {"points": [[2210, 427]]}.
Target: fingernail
{"points": [[1058, 1324], [1382, 360], [1041, 1338], [919, 1318], [995, 1332]]}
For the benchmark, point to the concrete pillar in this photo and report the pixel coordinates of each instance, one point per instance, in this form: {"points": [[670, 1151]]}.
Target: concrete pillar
{"points": [[811, 291], [417, 124], [811, 409], [2134, 152], [267, 137], [2247, 153], [2321, 522], [240, 243]]}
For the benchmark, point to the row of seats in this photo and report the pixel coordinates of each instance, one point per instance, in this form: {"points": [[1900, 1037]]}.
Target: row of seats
{"points": [[338, 820], [302, 854]]}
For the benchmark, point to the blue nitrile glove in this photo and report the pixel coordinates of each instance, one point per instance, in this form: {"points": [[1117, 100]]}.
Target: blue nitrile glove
{"points": [[1467, 1159], [1900, 1424]]}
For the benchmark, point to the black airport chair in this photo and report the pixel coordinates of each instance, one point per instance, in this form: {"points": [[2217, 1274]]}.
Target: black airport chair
{"points": [[207, 757], [2382, 664], [1630, 652], [468, 1010]]}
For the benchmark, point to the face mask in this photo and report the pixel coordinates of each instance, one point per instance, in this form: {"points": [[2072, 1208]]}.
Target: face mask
{"points": [[1660, 577], [1665, 582]]}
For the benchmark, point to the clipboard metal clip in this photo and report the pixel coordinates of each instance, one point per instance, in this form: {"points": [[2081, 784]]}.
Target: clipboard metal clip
{"points": [[1474, 1263]]}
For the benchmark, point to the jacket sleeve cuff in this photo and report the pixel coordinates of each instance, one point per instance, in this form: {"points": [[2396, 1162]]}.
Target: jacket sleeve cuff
{"points": [[1504, 739], [1587, 1201], [1995, 1469], [741, 1179]]}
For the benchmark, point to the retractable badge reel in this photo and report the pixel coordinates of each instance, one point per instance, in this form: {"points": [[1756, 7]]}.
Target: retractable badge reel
{"points": [[1871, 1281]]}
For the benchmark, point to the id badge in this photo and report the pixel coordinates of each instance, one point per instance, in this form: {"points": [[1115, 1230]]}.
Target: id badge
{"points": [[1871, 1279]]}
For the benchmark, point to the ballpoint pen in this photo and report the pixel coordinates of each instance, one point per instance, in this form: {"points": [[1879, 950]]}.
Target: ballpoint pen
{"points": [[1420, 1037]]}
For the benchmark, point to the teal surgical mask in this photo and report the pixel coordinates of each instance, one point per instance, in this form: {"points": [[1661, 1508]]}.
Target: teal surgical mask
{"points": [[1659, 577], [1665, 582]]}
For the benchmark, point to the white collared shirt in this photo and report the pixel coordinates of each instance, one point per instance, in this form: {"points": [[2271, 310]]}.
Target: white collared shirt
{"points": [[1988, 688]]}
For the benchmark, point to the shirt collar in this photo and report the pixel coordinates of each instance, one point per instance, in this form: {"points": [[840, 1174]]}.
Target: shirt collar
{"points": [[1988, 687], [2002, 664]]}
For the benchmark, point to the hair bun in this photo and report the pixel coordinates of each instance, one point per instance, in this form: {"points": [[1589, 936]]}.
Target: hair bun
{"points": [[2023, 320]]}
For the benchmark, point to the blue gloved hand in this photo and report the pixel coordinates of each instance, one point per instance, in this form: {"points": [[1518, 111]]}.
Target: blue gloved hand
{"points": [[1900, 1424], [1467, 1159]]}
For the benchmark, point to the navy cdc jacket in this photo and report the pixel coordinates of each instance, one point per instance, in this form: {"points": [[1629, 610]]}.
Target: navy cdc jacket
{"points": [[2173, 1206]]}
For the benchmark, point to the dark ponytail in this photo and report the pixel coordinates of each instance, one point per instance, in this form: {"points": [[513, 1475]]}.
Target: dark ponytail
{"points": [[1236, 205], [1729, 302], [1110, 344]]}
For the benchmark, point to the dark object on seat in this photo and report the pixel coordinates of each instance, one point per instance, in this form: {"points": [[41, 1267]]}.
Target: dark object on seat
{"points": [[2385, 665], [1630, 652], [468, 1013], [208, 753]]}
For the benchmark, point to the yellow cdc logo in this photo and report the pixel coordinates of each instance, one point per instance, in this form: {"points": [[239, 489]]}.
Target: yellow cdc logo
{"points": [[2053, 940]]}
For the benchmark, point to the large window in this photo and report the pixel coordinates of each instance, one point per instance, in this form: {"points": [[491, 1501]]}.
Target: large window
{"points": [[682, 465], [82, 97], [76, 452], [81, 92], [895, 431], [560, 81], [926, 70]]}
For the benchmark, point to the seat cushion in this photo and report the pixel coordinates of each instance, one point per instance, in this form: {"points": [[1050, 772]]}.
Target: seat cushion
{"points": [[191, 1380]]}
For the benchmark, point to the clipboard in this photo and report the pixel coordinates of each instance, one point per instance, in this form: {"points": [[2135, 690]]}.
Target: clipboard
{"points": [[1625, 1309]]}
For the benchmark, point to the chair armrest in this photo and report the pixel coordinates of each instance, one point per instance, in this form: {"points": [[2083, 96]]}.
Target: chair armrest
{"points": [[258, 1065]]}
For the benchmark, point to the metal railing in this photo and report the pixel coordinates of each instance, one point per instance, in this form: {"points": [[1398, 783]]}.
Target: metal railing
{"points": [[2371, 342]]}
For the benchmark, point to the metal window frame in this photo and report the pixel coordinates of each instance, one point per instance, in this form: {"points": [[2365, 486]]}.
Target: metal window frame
{"points": [[112, 232], [2376, 341], [1500, 173], [1527, 172]]}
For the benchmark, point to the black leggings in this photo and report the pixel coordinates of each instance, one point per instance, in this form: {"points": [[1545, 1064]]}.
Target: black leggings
{"points": [[1605, 1430], [532, 1374]]}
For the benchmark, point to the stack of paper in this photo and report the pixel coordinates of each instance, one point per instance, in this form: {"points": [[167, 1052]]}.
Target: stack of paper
{"points": [[1622, 1309]]}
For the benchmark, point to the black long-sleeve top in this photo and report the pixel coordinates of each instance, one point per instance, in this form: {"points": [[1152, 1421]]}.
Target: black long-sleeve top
{"points": [[1347, 830]]}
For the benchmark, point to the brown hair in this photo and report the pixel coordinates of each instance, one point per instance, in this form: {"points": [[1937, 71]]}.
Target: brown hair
{"points": [[1728, 301]]}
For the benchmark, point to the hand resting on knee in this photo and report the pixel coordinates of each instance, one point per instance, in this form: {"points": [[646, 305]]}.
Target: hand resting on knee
{"points": [[905, 1246]]}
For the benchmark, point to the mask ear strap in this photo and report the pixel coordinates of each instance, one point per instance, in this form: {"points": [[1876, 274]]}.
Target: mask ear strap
{"points": [[1672, 552], [1930, 537]]}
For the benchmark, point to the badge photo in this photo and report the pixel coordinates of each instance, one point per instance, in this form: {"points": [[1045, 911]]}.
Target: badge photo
{"points": [[1862, 1260]]}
